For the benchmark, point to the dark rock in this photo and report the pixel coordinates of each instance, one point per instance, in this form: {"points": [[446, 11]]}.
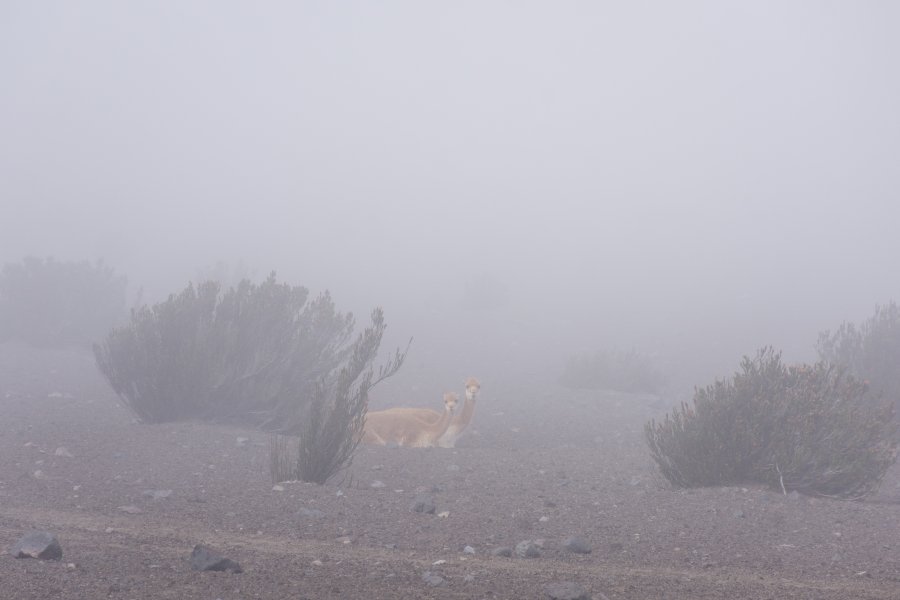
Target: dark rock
{"points": [[424, 504], [37, 544], [577, 544], [502, 551], [527, 549], [565, 590], [433, 579], [204, 559]]}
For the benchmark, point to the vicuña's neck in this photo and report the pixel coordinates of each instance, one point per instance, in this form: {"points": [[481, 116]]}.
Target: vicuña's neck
{"points": [[467, 409]]}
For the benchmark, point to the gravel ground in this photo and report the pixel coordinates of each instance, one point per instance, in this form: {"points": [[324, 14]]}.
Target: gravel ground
{"points": [[129, 501]]}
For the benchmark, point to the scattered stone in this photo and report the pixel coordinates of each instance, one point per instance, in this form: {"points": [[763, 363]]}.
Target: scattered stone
{"points": [[317, 563], [549, 503], [433, 579], [64, 452], [439, 562], [157, 494], [377, 484], [739, 514], [468, 550], [544, 519], [423, 504], [42, 545], [277, 488], [130, 509], [502, 551], [109, 530], [469, 578], [565, 590], [443, 514], [577, 544], [310, 513], [377, 467], [38, 474], [204, 559], [242, 441], [527, 549]]}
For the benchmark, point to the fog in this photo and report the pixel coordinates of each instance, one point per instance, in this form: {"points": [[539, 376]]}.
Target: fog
{"points": [[694, 179]]}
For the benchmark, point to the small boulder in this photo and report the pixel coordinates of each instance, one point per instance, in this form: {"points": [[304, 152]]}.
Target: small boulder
{"points": [[204, 559], [310, 513], [424, 504], [527, 549], [577, 544], [433, 579], [565, 590], [42, 545], [505, 551], [157, 494]]}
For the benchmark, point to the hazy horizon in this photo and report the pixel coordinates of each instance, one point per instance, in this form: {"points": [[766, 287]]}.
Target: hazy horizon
{"points": [[694, 180]]}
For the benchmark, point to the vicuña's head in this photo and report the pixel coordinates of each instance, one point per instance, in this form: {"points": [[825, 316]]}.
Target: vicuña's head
{"points": [[450, 402], [472, 388]]}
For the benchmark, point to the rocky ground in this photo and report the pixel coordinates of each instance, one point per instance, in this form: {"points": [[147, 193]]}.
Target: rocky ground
{"points": [[129, 502]]}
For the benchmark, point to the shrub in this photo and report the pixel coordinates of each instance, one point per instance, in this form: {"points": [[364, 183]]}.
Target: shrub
{"points": [[805, 428], [49, 303], [620, 371], [335, 418], [870, 352], [252, 355]]}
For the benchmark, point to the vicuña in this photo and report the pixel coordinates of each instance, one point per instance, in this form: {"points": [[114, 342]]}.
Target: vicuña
{"points": [[403, 428], [457, 425]]}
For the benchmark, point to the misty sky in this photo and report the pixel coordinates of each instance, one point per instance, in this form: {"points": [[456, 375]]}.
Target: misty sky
{"points": [[674, 176]]}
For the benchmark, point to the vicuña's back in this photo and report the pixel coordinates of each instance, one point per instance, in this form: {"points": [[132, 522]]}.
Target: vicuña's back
{"points": [[396, 426]]}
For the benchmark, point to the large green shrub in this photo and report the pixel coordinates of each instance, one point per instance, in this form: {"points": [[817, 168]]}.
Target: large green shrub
{"points": [[50, 303], [621, 371], [252, 355], [871, 352], [805, 428]]}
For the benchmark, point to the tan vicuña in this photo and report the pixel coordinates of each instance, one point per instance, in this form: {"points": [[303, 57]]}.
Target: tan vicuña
{"points": [[403, 428]]}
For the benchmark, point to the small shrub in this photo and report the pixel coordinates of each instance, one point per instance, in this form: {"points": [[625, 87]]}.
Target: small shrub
{"points": [[805, 428], [49, 303], [252, 355], [620, 371], [336, 415], [871, 352]]}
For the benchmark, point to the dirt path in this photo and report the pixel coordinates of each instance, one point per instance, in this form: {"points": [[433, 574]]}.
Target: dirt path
{"points": [[348, 569]]}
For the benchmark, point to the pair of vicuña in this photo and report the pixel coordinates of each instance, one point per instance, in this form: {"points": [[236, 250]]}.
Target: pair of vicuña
{"points": [[422, 427]]}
